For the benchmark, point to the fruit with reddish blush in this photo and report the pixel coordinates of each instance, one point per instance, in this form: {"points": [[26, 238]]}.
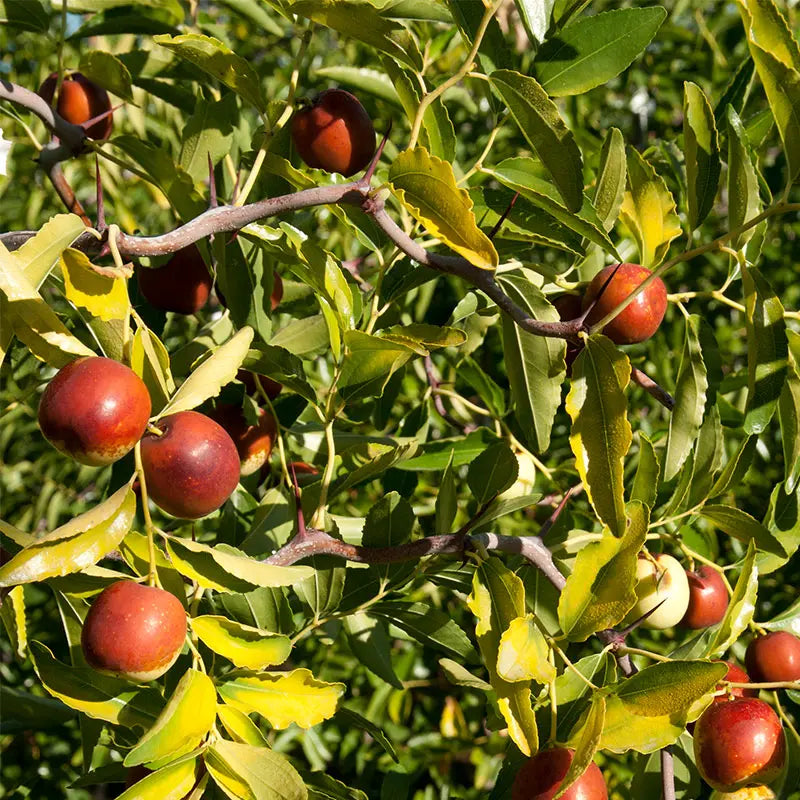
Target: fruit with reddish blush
{"points": [[192, 468], [661, 582], [277, 291], [708, 599], [305, 473], [253, 442], [133, 631], [641, 318], [735, 674], [335, 133], [541, 776], [181, 285], [95, 410], [739, 743], [774, 657], [80, 100]]}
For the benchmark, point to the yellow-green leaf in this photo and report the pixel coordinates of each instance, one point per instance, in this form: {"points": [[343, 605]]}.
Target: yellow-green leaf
{"points": [[648, 209], [427, 187], [498, 598], [244, 645], [623, 730], [600, 591], [768, 28], [80, 543], [585, 738], [150, 361], [182, 725], [601, 434], [12, 614], [101, 295], [283, 698], [240, 727], [523, 653], [173, 782], [40, 254]]}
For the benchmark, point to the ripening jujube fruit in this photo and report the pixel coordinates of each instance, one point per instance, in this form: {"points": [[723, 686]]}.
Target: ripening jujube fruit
{"points": [[739, 743], [748, 793], [181, 285], [253, 442], [661, 580], [774, 657], [708, 599], [540, 778], [192, 468], [95, 410], [335, 133], [133, 631], [80, 100], [641, 318], [735, 674]]}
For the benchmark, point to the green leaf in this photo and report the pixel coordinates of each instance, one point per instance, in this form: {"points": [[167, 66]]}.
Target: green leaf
{"points": [[98, 696], [101, 295], [595, 49], [246, 772], [280, 365], [624, 730], [586, 739], [283, 698], [182, 725], [436, 455], [611, 178], [701, 148], [427, 187], [783, 522], [492, 472], [767, 350], [172, 782], [389, 522], [690, 400], [789, 418], [540, 122], [648, 209], [648, 471], [24, 711], [371, 645], [601, 434], [424, 336], [535, 16], [243, 645], [364, 80], [356, 720], [459, 675], [736, 467], [446, 503], [80, 543], [534, 364], [26, 15], [370, 362], [490, 393], [601, 589], [208, 132], [219, 61], [107, 71], [150, 361], [498, 598], [740, 525], [523, 653], [361, 21]]}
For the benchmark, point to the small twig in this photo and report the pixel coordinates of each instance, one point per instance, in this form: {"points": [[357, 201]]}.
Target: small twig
{"points": [[504, 216], [667, 774], [652, 388]]}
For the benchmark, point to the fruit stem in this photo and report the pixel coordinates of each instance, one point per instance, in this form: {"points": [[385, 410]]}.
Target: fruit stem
{"points": [[152, 574], [787, 721], [769, 685], [570, 666], [635, 651], [327, 475]]}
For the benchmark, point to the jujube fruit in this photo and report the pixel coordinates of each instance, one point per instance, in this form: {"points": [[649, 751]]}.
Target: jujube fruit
{"points": [[181, 285], [80, 100], [663, 581], [569, 308], [708, 599], [748, 793], [277, 291], [641, 318], [540, 778], [192, 468], [133, 631], [735, 674], [335, 133], [739, 743], [774, 657], [95, 410], [253, 442]]}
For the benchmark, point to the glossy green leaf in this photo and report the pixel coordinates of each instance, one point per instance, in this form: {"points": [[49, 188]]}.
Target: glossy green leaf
{"points": [[459, 675], [648, 210], [283, 698], [789, 417], [707, 458], [740, 525], [788, 620], [207, 133], [219, 61], [322, 592], [150, 361], [135, 549], [172, 782], [540, 123], [498, 598], [783, 522], [736, 467], [574, 693], [371, 645], [354, 719], [425, 337], [246, 772], [535, 16], [648, 472], [601, 589], [601, 434], [244, 645], [523, 653], [80, 543], [446, 504], [585, 739], [280, 365], [534, 364], [492, 472], [217, 370], [185, 721], [364, 79], [107, 71], [370, 362], [701, 149], [690, 400], [427, 188], [102, 296], [595, 49], [741, 606], [611, 179], [98, 696], [26, 15]]}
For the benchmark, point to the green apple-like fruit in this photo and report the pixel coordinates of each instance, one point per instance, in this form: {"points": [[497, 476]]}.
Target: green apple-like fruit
{"points": [[540, 777], [335, 133], [192, 468], [253, 442], [641, 318], [80, 100], [708, 599], [660, 580], [181, 285], [774, 657], [738, 744], [95, 410], [133, 631]]}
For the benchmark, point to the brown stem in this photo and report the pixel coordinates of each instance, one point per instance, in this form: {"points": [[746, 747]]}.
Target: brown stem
{"points": [[652, 388], [67, 195]]}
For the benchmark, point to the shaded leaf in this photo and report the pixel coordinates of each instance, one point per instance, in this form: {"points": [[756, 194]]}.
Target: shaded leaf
{"points": [[701, 148]]}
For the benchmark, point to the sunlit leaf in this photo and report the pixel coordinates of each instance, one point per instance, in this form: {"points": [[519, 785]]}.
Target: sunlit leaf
{"points": [[101, 295], [523, 653], [244, 645]]}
